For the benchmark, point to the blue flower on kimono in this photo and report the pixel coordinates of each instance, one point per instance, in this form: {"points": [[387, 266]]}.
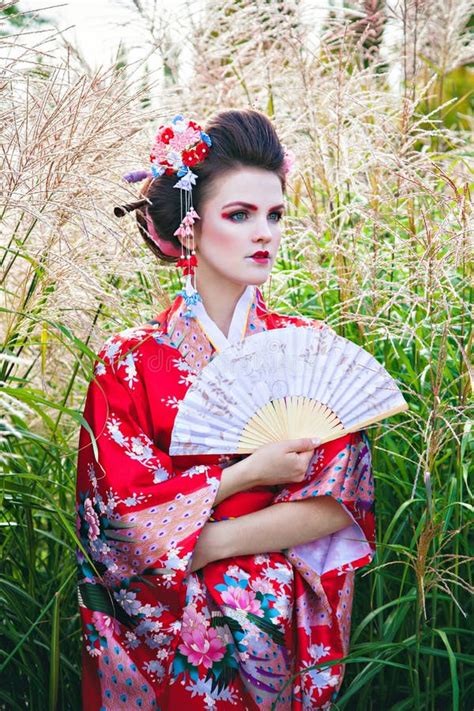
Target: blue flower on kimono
{"points": [[318, 651], [154, 667], [128, 600], [321, 678]]}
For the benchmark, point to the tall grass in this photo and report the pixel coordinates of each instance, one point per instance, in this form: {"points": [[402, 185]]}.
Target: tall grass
{"points": [[377, 242]]}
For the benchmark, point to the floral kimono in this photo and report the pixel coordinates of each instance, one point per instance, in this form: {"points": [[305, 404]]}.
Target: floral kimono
{"points": [[233, 634]]}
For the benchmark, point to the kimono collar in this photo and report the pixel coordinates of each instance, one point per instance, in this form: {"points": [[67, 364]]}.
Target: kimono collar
{"points": [[238, 326], [199, 339]]}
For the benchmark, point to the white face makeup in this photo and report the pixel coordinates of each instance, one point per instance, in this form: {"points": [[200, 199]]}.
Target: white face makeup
{"points": [[240, 218]]}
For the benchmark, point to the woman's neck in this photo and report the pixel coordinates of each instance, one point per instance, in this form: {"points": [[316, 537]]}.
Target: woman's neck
{"points": [[220, 299]]}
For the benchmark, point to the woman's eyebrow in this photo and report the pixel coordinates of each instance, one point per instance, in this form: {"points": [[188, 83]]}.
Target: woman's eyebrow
{"points": [[250, 206]]}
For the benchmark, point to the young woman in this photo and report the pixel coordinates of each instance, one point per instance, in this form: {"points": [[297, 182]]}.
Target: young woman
{"points": [[209, 582]]}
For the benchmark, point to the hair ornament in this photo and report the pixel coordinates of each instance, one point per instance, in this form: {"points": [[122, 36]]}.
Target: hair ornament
{"points": [[137, 176], [289, 160], [175, 150], [166, 247]]}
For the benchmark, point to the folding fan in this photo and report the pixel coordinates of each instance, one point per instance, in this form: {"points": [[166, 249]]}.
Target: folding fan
{"points": [[280, 384]]}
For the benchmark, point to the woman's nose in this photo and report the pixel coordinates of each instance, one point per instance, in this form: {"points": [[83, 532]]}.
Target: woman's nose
{"points": [[263, 231]]}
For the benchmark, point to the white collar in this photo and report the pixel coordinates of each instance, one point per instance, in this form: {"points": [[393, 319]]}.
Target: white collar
{"points": [[238, 326]]}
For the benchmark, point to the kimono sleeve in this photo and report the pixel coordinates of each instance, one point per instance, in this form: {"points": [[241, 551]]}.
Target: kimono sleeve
{"points": [[342, 469], [139, 516]]}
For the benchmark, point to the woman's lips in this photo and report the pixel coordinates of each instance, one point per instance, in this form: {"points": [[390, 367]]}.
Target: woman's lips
{"points": [[260, 259]]}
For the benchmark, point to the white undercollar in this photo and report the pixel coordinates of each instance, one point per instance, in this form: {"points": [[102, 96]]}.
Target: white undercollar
{"points": [[238, 326]]}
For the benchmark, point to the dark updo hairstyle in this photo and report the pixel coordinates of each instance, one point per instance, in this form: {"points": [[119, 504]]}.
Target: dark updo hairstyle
{"points": [[239, 138]]}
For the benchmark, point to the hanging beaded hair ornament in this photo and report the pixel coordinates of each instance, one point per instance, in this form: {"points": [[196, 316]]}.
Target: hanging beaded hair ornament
{"points": [[176, 149]]}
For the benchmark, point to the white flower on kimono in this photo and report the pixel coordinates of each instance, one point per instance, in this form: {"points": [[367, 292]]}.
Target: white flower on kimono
{"points": [[111, 348], [160, 474], [174, 561], [281, 573], [187, 379], [282, 604], [171, 401], [235, 572], [181, 364], [132, 641], [113, 427], [112, 502], [148, 610], [175, 626], [100, 369], [92, 476], [210, 703], [100, 549], [130, 370], [153, 642], [197, 469], [261, 559], [134, 499], [318, 651], [142, 450], [202, 686], [94, 651], [128, 600], [194, 589]]}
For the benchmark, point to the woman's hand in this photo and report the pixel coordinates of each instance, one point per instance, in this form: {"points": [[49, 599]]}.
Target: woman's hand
{"points": [[279, 463], [276, 463]]}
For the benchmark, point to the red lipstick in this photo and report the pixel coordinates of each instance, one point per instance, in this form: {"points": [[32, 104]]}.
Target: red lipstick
{"points": [[261, 257]]}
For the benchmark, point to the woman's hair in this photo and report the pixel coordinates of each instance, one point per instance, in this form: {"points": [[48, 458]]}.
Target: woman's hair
{"points": [[239, 138]]}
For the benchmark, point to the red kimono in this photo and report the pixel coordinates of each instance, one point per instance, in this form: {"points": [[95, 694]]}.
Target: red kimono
{"points": [[231, 635]]}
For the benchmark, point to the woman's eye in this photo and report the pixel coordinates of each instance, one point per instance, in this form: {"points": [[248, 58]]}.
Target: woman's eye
{"points": [[234, 215], [241, 212], [279, 215]]}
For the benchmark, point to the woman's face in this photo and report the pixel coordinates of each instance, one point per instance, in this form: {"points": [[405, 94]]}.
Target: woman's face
{"points": [[241, 217]]}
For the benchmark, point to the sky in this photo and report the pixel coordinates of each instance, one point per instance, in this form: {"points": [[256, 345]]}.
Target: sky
{"points": [[96, 27]]}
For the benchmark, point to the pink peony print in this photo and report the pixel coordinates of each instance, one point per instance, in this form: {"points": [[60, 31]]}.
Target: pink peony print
{"points": [[202, 645], [192, 618], [92, 519], [241, 599], [106, 626]]}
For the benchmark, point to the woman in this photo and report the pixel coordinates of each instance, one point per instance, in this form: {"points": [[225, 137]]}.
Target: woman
{"points": [[211, 581]]}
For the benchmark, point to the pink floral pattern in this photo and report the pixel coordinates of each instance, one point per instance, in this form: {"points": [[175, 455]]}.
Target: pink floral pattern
{"points": [[202, 645], [242, 600]]}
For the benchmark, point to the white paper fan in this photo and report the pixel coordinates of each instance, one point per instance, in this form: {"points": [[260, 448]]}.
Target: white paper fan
{"points": [[284, 383]]}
